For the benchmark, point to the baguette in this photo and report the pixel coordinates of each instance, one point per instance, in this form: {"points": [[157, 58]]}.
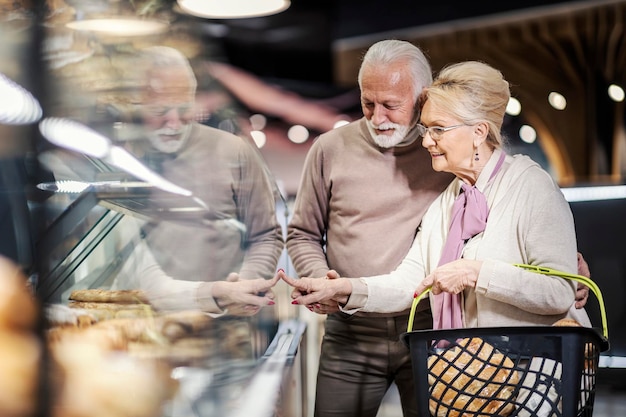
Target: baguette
{"points": [[99, 295], [89, 305]]}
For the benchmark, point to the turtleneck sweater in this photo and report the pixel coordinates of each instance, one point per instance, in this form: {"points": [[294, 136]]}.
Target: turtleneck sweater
{"points": [[358, 205]]}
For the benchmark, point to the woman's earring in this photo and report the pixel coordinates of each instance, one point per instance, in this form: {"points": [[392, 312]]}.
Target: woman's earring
{"points": [[476, 158]]}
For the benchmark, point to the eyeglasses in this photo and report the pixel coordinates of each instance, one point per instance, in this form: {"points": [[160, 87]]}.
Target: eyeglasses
{"points": [[435, 132]]}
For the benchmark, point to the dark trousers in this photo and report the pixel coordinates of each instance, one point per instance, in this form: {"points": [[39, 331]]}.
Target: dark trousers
{"points": [[360, 358]]}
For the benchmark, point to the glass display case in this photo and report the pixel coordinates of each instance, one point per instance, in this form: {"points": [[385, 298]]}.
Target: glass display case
{"points": [[113, 214], [92, 236]]}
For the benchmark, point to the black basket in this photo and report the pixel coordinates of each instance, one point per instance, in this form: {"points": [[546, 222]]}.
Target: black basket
{"points": [[550, 371]]}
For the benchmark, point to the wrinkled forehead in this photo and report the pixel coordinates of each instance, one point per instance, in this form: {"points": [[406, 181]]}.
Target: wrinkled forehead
{"points": [[169, 85]]}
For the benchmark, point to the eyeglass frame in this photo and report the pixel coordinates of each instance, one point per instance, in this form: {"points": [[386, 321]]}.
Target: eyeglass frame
{"points": [[440, 129]]}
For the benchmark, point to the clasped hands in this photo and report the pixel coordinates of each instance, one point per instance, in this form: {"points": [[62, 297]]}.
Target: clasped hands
{"points": [[324, 295], [320, 295], [243, 297]]}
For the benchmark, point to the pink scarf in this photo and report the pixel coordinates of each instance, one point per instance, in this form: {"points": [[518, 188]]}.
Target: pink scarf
{"points": [[469, 218]]}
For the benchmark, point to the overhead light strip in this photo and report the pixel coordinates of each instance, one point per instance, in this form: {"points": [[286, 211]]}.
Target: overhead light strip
{"points": [[611, 192]]}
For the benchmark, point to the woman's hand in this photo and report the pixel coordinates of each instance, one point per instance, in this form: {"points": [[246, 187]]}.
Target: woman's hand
{"points": [[243, 297], [320, 295], [452, 277]]}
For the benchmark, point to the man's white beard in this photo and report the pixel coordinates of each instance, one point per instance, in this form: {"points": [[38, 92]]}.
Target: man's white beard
{"points": [[384, 141], [169, 146]]}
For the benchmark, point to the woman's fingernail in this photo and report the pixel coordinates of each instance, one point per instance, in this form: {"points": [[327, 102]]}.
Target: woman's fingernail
{"points": [[281, 270], [271, 303], [294, 302], [415, 295]]}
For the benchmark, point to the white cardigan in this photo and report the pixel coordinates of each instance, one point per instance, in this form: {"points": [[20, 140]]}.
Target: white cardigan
{"points": [[530, 222]]}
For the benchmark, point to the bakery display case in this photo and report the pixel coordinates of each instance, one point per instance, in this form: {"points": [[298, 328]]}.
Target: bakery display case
{"points": [[224, 363], [110, 212], [132, 229]]}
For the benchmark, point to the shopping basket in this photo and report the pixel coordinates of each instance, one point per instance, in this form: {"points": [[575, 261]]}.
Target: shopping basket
{"points": [[507, 371]]}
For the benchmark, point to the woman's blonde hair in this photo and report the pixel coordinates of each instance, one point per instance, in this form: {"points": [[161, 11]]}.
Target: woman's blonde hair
{"points": [[473, 92]]}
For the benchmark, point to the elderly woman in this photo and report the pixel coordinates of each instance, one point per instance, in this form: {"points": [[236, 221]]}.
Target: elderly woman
{"points": [[498, 211]]}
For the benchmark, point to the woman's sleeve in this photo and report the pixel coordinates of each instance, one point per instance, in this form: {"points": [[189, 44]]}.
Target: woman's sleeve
{"points": [[547, 238]]}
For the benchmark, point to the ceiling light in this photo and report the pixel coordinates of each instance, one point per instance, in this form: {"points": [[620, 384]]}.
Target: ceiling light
{"points": [[232, 9], [340, 123], [611, 192], [258, 121], [64, 186], [17, 105], [527, 134], [74, 136], [77, 137], [616, 93], [298, 134], [120, 26], [513, 107], [557, 100], [259, 138], [77, 187]]}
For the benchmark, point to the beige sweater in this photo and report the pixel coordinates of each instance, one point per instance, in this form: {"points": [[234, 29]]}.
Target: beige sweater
{"points": [[358, 205], [228, 175]]}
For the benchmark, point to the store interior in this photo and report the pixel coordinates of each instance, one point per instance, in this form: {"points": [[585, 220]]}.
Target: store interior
{"points": [[280, 80]]}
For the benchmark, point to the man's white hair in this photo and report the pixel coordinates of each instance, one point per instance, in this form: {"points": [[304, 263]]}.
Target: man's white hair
{"points": [[166, 57]]}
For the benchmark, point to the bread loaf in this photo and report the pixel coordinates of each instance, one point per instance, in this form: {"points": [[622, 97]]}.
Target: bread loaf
{"points": [[60, 315], [21, 347], [92, 381], [99, 295], [567, 323], [590, 357], [18, 309], [471, 379]]}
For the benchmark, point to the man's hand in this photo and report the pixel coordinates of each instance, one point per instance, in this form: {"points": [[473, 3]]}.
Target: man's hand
{"points": [[319, 295], [582, 291], [243, 297]]}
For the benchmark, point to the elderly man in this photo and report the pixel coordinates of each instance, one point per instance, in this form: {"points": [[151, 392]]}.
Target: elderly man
{"points": [[364, 189]]}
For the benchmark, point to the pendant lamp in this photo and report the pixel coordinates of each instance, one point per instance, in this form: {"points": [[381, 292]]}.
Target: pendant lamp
{"points": [[232, 9]]}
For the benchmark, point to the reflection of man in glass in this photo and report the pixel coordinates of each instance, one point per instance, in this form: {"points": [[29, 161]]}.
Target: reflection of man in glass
{"points": [[168, 104], [220, 260]]}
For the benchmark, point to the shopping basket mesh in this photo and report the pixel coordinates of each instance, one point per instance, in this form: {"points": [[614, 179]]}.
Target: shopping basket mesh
{"points": [[527, 374]]}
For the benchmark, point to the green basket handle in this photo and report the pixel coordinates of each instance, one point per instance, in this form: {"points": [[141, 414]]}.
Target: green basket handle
{"points": [[579, 278], [416, 301], [540, 270]]}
